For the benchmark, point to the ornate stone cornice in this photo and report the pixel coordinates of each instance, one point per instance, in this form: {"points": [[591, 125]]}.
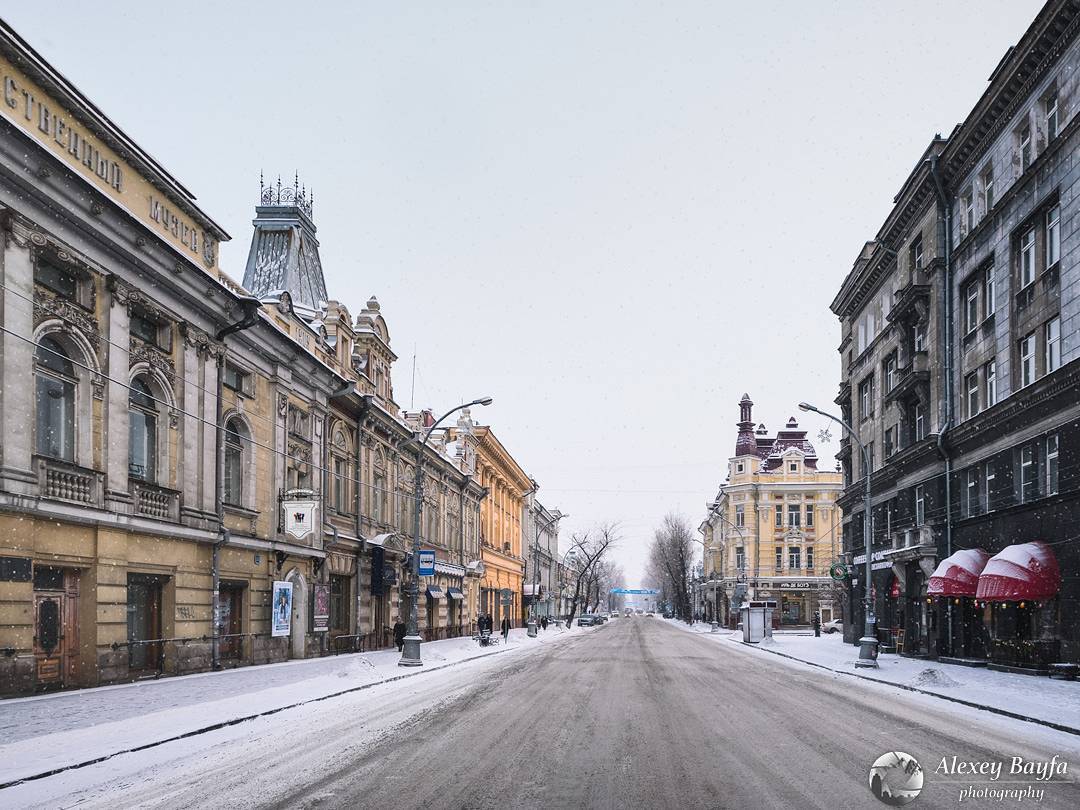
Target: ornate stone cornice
{"points": [[47, 305], [204, 345]]}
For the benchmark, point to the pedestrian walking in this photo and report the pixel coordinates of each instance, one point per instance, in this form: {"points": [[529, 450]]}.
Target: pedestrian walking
{"points": [[505, 628], [399, 634], [543, 623], [817, 624]]}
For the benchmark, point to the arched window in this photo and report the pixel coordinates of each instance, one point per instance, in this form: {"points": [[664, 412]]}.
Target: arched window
{"points": [[236, 441], [142, 431], [55, 384], [340, 451]]}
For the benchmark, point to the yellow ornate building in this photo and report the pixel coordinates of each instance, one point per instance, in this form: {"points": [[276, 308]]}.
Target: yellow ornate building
{"points": [[772, 531], [501, 515]]}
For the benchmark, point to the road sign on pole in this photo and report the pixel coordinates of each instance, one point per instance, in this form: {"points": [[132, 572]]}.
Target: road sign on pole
{"points": [[427, 563]]}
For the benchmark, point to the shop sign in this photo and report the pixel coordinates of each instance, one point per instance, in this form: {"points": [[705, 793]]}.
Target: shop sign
{"points": [[506, 596], [299, 518], [320, 608], [281, 609], [30, 108]]}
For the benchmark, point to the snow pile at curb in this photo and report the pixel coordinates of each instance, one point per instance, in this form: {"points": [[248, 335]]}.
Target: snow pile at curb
{"points": [[933, 677]]}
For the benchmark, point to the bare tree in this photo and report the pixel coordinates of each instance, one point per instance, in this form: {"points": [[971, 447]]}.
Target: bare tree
{"points": [[671, 558], [591, 548]]}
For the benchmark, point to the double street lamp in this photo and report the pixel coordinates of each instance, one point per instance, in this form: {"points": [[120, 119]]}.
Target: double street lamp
{"points": [[410, 655], [868, 643], [536, 565]]}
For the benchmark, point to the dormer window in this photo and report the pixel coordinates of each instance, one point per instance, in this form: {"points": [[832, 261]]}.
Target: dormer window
{"points": [[793, 466]]}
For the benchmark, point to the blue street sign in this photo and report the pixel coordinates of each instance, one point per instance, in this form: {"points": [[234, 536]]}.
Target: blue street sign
{"points": [[427, 563], [638, 591]]}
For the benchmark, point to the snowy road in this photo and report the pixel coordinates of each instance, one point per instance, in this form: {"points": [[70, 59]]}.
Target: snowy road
{"points": [[635, 713]]}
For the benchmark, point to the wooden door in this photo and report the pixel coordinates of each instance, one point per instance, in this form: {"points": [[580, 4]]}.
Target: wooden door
{"points": [[144, 622], [231, 607], [56, 626]]}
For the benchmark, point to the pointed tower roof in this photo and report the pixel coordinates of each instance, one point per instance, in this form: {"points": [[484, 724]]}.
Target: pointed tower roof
{"points": [[284, 255], [746, 443]]}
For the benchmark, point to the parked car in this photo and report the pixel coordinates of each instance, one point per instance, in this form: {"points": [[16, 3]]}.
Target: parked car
{"points": [[650, 613], [600, 618], [614, 614], [835, 626], [586, 620]]}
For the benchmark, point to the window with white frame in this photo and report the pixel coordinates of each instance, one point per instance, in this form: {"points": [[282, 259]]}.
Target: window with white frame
{"points": [[971, 393], [971, 306], [971, 496], [920, 422], [1027, 258], [990, 383], [1052, 464], [889, 440], [890, 372], [1029, 474], [740, 558], [967, 202], [809, 516], [1053, 236], [920, 505], [809, 558], [917, 253], [740, 515], [1027, 360], [988, 485], [866, 398], [56, 384], [988, 189], [1050, 106], [988, 303], [794, 512], [919, 338], [779, 558], [1052, 342], [794, 558], [1023, 138], [778, 515], [236, 443], [142, 430]]}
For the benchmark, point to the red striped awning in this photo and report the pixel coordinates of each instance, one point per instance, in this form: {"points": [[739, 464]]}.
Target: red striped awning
{"points": [[1025, 571], [958, 575]]}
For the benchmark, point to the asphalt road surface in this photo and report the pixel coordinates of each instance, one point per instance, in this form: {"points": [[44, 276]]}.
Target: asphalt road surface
{"points": [[634, 714]]}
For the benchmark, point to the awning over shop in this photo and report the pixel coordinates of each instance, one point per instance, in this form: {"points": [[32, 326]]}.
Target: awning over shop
{"points": [[958, 575], [454, 593], [435, 592], [1018, 572]]}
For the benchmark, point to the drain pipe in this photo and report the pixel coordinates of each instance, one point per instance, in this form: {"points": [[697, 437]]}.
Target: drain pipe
{"points": [[947, 318], [251, 307]]}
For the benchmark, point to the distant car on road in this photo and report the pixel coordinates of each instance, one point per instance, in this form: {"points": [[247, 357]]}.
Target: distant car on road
{"points": [[640, 612], [585, 620], [614, 614], [650, 613], [835, 626]]}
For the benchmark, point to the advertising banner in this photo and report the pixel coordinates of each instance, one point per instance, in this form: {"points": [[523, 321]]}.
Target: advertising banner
{"points": [[281, 609], [320, 611], [427, 563]]}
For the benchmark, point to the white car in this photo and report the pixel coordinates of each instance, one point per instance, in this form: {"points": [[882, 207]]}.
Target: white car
{"points": [[835, 626]]}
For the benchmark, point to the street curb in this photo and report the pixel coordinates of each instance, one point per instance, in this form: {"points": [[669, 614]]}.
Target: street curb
{"points": [[984, 707], [237, 720]]}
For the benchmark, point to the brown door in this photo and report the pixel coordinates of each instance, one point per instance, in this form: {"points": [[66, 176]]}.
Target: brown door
{"points": [[230, 627], [56, 628], [144, 622]]}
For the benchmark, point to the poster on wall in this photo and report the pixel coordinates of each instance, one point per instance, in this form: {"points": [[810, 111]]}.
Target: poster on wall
{"points": [[281, 609], [320, 611]]}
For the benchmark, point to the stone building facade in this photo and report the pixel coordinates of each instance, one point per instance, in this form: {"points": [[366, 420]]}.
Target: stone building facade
{"points": [[1002, 373]]}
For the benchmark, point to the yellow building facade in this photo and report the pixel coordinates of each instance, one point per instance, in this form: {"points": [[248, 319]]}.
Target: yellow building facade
{"points": [[772, 531]]}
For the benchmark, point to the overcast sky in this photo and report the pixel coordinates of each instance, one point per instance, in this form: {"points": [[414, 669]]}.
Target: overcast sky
{"points": [[612, 217]]}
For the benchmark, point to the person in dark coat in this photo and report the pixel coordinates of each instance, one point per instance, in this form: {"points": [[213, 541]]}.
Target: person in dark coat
{"points": [[543, 622], [399, 634], [505, 628]]}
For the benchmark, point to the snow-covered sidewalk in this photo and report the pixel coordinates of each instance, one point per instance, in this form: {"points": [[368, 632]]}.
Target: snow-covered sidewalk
{"points": [[54, 731], [1028, 696]]}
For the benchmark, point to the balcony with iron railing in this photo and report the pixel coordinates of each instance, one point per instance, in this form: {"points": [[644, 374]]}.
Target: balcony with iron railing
{"points": [[63, 481]]}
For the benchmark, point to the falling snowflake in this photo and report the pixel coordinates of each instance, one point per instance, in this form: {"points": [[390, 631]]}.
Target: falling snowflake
{"points": [[824, 436]]}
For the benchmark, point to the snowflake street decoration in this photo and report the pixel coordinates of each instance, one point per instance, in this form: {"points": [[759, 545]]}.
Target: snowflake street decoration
{"points": [[824, 436]]}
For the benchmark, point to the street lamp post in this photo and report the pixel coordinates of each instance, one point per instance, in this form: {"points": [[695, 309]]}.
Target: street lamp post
{"points": [[536, 566], [410, 655], [868, 643]]}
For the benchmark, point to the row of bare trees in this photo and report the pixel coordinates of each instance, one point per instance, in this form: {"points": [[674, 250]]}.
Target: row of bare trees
{"points": [[592, 571], [668, 569]]}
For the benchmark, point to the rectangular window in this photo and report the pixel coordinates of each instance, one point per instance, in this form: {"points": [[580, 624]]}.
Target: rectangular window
{"points": [[890, 372], [920, 505], [794, 558], [890, 440], [61, 281], [1052, 464], [779, 558], [971, 388], [919, 340], [866, 398], [971, 306], [968, 202], [1052, 357], [144, 329], [1024, 138], [794, 513], [809, 516], [1053, 236], [971, 504], [990, 383], [1050, 104], [917, 254], [1027, 258], [988, 485], [1027, 360], [740, 558], [779, 508], [740, 515], [988, 302], [810, 559], [1029, 475], [988, 189], [341, 502], [920, 422], [237, 380]]}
